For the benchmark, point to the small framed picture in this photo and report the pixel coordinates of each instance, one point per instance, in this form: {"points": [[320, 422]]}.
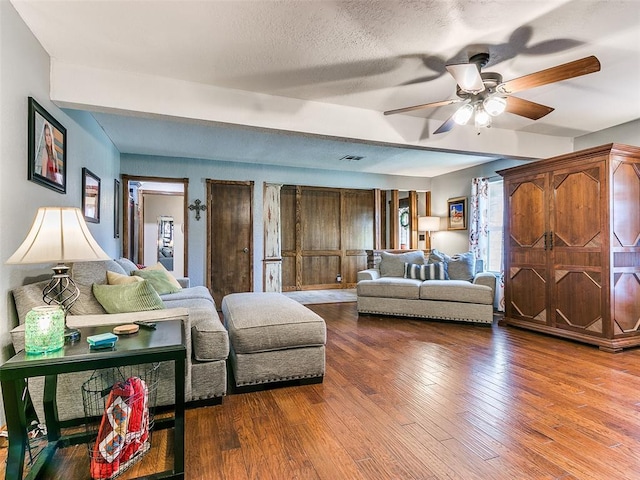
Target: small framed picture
{"points": [[116, 208], [90, 196], [457, 213], [47, 149]]}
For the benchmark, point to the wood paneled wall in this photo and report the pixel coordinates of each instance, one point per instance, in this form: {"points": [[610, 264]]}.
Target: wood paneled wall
{"points": [[325, 235]]}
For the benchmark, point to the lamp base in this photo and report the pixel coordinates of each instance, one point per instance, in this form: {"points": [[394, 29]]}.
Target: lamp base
{"points": [[71, 335]]}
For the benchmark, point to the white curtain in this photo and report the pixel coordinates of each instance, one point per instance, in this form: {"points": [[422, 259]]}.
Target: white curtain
{"points": [[479, 231], [479, 221]]}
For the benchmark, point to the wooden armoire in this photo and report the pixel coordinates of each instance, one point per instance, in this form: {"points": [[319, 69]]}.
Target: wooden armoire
{"points": [[572, 246]]}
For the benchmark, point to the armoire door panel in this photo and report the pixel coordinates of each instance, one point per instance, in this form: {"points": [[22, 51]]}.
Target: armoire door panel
{"points": [[626, 307], [527, 213], [577, 219], [626, 192], [577, 299], [527, 294]]}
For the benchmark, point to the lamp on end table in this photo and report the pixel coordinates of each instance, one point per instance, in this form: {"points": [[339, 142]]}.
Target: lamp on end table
{"points": [[60, 235]]}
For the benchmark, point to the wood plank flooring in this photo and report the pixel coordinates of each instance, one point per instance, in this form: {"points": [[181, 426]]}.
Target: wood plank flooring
{"points": [[420, 400]]}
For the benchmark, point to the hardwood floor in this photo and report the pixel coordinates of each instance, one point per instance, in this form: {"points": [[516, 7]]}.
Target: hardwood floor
{"points": [[415, 399]]}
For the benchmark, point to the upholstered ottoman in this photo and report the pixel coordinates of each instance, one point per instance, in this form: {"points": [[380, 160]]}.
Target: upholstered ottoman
{"points": [[273, 338]]}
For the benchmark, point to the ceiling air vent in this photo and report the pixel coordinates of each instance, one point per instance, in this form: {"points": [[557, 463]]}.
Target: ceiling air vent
{"points": [[351, 158]]}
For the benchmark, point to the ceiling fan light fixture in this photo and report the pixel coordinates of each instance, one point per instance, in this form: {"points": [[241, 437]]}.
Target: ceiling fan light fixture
{"points": [[482, 119], [463, 114], [494, 105]]}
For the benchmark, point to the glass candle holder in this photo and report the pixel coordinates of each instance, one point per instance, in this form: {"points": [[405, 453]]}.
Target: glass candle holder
{"points": [[44, 329]]}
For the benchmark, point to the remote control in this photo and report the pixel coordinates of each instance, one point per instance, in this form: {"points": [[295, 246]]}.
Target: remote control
{"points": [[143, 324]]}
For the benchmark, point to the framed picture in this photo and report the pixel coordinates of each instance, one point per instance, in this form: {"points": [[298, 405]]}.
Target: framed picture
{"points": [[116, 208], [90, 196], [47, 149], [457, 213]]}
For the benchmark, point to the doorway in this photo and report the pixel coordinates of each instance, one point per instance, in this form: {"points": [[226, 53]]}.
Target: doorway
{"points": [[155, 229], [229, 238]]}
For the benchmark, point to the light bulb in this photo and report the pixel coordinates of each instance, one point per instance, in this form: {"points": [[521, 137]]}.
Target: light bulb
{"points": [[482, 118], [462, 116], [494, 106]]}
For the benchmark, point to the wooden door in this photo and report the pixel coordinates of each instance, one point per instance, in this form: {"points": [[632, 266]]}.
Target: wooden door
{"points": [[230, 234], [526, 244], [578, 236]]}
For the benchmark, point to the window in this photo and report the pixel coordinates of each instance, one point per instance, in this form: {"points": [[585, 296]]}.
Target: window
{"points": [[496, 206]]}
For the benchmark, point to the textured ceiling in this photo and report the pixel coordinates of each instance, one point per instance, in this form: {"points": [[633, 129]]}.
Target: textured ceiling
{"points": [[375, 55]]}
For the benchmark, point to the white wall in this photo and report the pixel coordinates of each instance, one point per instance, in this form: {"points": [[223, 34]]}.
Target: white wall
{"points": [[628, 133], [24, 72], [198, 171]]}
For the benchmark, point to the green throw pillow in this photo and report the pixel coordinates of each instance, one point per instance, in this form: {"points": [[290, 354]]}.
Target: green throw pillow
{"points": [[158, 280], [131, 297]]}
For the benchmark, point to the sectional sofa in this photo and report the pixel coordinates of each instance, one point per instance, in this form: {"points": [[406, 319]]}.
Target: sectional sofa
{"points": [[207, 341], [435, 286]]}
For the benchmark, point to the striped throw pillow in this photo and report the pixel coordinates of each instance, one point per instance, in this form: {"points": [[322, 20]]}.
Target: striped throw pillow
{"points": [[430, 271]]}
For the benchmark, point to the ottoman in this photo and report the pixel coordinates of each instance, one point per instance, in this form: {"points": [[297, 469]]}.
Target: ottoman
{"points": [[273, 339]]}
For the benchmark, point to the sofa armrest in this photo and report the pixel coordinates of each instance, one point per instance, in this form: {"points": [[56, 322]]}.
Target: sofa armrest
{"points": [[370, 274], [185, 282], [485, 278]]}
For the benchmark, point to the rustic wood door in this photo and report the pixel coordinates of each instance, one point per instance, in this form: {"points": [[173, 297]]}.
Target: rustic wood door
{"points": [[229, 238], [578, 236], [526, 244]]}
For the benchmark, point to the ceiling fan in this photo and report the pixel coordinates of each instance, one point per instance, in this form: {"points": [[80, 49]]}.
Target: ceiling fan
{"points": [[485, 95]]}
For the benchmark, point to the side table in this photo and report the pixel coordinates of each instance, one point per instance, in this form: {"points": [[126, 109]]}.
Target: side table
{"points": [[166, 343]]}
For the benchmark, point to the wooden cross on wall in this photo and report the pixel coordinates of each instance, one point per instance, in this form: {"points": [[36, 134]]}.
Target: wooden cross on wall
{"points": [[198, 207]]}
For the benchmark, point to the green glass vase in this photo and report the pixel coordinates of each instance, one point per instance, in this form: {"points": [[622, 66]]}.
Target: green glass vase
{"points": [[44, 329]]}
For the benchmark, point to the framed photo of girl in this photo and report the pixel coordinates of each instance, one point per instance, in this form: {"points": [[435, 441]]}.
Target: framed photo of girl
{"points": [[47, 149]]}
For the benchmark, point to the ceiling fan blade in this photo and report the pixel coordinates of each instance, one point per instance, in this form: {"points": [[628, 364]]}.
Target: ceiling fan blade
{"points": [[424, 105], [565, 71], [527, 108], [467, 76], [446, 126]]}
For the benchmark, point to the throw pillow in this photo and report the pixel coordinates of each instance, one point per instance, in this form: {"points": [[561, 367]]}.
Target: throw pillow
{"points": [[172, 279], [127, 265], [158, 280], [131, 297], [114, 278], [88, 273], [392, 264], [430, 271], [28, 296], [462, 266]]}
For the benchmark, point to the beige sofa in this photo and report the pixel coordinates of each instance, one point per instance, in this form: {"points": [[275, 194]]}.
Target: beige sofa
{"points": [[459, 291], [207, 341]]}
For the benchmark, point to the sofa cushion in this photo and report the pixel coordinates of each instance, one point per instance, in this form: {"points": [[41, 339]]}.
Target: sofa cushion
{"points": [[430, 271], [392, 264], [158, 280], [132, 297], [394, 287], [88, 273], [461, 266], [87, 304], [456, 291]]}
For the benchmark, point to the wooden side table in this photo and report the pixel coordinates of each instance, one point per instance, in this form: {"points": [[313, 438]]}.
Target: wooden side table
{"points": [[166, 343]]}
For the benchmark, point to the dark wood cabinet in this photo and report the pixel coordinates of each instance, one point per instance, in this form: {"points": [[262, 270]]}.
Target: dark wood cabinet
{"points": [[572, 246]]}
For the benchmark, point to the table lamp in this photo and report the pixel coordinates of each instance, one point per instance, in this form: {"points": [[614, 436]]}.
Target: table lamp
{"points": [[60, 235], [428, 224]]}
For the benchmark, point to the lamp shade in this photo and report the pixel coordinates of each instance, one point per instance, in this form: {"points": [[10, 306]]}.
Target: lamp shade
{"points": [[58, 234], [428, 224]]}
